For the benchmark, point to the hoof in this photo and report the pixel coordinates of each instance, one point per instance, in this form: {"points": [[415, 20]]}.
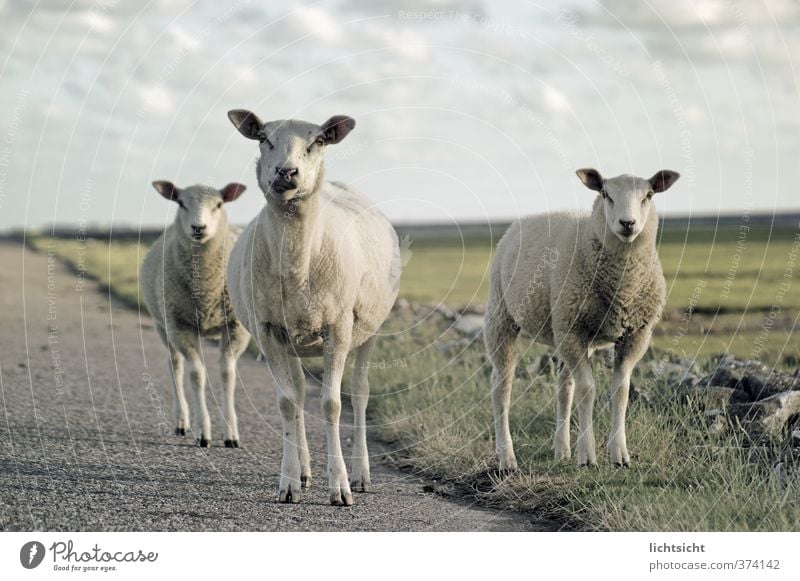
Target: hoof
{"points": [[506, 472], [231, 443], [339, 499], [622, 464], [359, 485], [180, 431], [305, 482], [290, 496], [202, 442], [588, 465]]}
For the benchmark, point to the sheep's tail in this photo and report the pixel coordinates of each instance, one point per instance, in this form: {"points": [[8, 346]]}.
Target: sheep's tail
{"points": [[499, 330]]}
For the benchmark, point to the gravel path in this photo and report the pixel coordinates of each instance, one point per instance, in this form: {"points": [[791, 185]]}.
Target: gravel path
{"points": [[86, 437]]}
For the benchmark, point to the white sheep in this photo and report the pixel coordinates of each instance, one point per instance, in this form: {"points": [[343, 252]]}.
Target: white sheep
{"points": [[182, 281], [578, 282], [314, 274]]}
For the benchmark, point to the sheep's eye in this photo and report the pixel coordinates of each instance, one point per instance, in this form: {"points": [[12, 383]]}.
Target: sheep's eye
{"points": [[181, 205], [263, 139], [648, 197], [219, 205], [606, 196], [320, 142]]}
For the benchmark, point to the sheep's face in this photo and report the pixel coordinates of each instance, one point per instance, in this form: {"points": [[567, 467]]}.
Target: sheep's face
{"points": [[200, 212], [291, 163], [627, 199]]}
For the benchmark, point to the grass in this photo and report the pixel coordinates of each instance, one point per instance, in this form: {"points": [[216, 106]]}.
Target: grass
{"points": [[115, 266], [434, 404], [436, 409]]}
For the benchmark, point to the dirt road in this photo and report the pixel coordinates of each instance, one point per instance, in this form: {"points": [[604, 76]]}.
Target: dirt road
{"points": [[86, 438]]}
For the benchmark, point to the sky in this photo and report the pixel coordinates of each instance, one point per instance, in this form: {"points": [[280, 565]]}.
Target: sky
{"points": [[466, 110]]}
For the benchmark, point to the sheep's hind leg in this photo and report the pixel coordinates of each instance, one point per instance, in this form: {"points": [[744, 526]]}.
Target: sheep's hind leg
{"points": [[574, 356], [500, 335], [190, 348], [359, 396], [564, 396], [234, 342], [299, 380], [336, 347], [629, 350]]}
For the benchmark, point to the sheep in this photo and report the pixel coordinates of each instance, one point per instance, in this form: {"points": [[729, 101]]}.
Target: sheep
{"points": [[578, 282], [182, 280], [314, 274]]}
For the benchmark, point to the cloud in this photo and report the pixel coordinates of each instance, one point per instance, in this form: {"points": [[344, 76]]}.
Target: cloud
{"points": [[319, 23]]}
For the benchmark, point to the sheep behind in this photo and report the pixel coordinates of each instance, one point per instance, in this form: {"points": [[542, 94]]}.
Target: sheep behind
{"points": [[578, 282], [182, 280]]}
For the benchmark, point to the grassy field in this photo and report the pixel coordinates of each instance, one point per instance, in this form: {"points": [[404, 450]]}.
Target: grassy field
{"points": [[435, 402]]}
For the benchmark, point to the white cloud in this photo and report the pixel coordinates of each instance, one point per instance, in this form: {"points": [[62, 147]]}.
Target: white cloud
{"points": [[319, 23]]}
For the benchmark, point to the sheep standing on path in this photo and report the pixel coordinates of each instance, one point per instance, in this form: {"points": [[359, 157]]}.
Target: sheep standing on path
{"points": [[182, 281], [314, 274], [578, 282]]}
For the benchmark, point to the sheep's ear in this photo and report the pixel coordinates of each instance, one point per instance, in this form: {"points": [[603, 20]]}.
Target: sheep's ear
{"points": [[232, 191], [166, 189], [591, 178], [336, 128], [246, 122], [663, 180]]}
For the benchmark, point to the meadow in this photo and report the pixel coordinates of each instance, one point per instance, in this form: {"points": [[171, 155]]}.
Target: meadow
{"points": [[730, 291]]}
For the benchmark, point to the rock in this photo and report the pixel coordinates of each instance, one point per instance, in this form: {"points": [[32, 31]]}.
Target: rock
{"points": [[402, 307], [473, 309], [753, 377], [452, 347], [770, 415], [470, 325], [675, 373], [445, 311], [717, 397]]}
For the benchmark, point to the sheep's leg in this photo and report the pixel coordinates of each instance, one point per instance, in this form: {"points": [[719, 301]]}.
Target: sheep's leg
{"points": [[499, 336], [279, 368], [629, 350], [337, 345], [564, 397], [359, 477], [180, 407], [575, 358], [234, 342], [299, 379], [190, 348]]}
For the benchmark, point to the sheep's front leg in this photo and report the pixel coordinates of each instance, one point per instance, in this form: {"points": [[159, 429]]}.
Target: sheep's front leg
{"points": [[299, 379], [180, 407], [359, 396], [629, 350], [337, 345], [279, 368], [234, 342], [574, 355], [189, 345]]}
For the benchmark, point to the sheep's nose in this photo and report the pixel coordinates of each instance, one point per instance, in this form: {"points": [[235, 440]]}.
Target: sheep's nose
{"points": [[198, 229], [287, 172], [627, 224]]}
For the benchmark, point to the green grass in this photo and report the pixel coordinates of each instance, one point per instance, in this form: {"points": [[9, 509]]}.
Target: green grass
{"points": [[435, 407], [115, 266]]}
